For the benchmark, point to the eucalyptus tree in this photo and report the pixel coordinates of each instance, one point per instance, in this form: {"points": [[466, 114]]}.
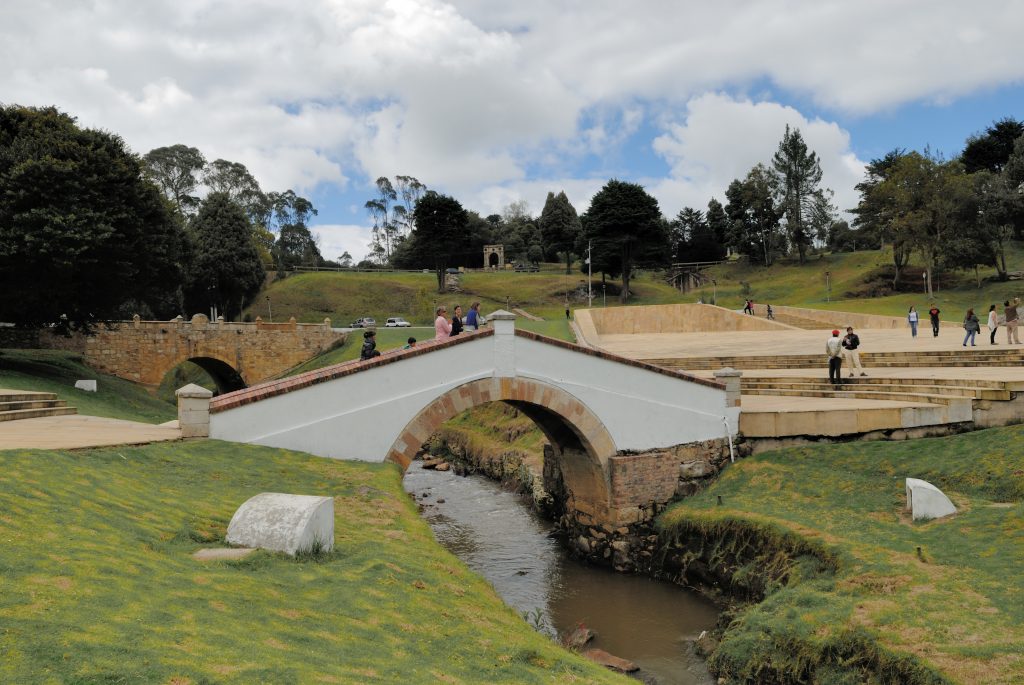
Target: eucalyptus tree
{"points": [[176, 171]]}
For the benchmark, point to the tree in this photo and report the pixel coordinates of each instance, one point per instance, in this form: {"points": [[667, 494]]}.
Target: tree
{"points": [[175, 170], [625, 221], [718, 222], [441, 231], [410, 190], [873, 214], [796, 179], [241, 187], [991, 150], [227, 271], [560, 227], [393, 220], [295, 245], [753, 216], [82, 231], [345, 260], [997, 202], [929, 199]]}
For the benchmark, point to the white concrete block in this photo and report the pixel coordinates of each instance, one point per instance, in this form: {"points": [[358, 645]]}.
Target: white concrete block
{"points": [[284, 523], [926, 501], [88, 386]]}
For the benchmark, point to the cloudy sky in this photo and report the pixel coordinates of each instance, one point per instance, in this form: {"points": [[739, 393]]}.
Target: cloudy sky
{"points": [[497, 101]]}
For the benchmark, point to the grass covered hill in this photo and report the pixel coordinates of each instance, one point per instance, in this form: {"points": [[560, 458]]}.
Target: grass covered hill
{"points": [[99, 586], [345, 296], [860, 282], [923, 602], [856, 280]]}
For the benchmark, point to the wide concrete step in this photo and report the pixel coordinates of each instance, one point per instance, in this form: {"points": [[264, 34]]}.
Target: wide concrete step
{"points": [[754, 385], [854, 393], [25, 396], [876, 360], [29, 404], [16, 414], [822, 421]]}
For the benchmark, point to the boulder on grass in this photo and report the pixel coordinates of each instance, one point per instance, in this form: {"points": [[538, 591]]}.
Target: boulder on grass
{"points": [[284, 523]]}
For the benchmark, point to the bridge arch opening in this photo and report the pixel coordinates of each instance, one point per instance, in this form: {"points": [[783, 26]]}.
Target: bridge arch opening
{"points": [[208, 372], [579, 442]]}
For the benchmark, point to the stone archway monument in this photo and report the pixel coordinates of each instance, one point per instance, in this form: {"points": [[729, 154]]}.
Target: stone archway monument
{"points": [[494, 256], [615, 425]]}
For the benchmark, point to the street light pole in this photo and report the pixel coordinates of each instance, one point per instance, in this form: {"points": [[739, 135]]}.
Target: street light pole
{"points": [[270, 312], [590, 277]]}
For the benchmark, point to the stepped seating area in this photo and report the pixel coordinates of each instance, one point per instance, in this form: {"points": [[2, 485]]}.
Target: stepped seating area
{"points": [[896, 359], [18, 404]]}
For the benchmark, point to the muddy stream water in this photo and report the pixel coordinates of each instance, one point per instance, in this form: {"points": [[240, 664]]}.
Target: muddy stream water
{"points": [[500, 537]]}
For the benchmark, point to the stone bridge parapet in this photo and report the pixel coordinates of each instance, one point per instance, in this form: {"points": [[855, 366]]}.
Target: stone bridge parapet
{"points": [[234, 354]]}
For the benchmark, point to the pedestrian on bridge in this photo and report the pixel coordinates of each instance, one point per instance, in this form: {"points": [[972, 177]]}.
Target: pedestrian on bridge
{"points": [[456, 321], [834, 351], [473, 317], [442, 329], [850, 344]]}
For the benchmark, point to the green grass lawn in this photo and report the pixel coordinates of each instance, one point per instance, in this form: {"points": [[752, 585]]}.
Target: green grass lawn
{"points": [[958, 608], [55, 371], [98, 585], [789, 283]]}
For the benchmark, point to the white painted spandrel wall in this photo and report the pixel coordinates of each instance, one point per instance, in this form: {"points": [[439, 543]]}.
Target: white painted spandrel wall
{"points": [[642, 409], [358, 416]]}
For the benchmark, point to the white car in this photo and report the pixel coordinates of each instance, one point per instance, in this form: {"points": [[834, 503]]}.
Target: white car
{"points": [[397, 322]]}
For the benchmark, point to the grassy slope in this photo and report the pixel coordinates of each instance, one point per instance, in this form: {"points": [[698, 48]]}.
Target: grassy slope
{"points": [[55, 371], [961, 609], [789, 283], [346, 296], [99, 585]]}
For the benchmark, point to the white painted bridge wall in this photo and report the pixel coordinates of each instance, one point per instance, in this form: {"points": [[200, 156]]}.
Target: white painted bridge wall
{"points": [[361, 415]]}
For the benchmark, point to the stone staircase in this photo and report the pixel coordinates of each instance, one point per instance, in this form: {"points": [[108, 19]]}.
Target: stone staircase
{"points": [[801, 322], [923, 359], [17, 404]]}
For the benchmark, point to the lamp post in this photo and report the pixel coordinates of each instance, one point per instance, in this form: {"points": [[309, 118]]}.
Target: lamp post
{"points": [[714, 291], [270, 312], [590, 277], [604, 295], [924, 282], [828, 286]]}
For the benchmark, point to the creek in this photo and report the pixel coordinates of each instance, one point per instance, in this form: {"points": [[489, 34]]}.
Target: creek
{"points": [[498, 535]]}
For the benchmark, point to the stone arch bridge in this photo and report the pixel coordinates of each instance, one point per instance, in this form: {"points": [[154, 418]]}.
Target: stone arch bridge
{"points": [[618, 428], [234, 354]]}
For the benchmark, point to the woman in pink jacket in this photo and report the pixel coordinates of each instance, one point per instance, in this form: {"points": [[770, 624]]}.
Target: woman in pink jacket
{"points": [[442, 327]]}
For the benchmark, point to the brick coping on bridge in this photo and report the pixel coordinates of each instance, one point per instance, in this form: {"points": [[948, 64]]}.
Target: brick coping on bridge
{"points": [[270, 389]]}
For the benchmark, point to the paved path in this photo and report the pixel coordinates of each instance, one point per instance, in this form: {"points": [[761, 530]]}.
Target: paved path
{"points": [[74, 431], [659, 345]]}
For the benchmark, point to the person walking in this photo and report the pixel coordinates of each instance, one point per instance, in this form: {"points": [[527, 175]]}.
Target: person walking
{"points": [[850, 344], [834, 351], [972, 326], [456, 320], [912, 320], [1011, 315], [472, 321], [771, 314], [993, 325], [442, 329], [933, 314]]}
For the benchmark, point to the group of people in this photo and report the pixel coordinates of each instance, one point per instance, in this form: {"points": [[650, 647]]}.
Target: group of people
{"points": [[972, 325], [445, 328], [748, 308], [837, 349]]}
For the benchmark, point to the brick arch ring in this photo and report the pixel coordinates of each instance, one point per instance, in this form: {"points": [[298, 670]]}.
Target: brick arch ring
{"points": [[564, 420]]}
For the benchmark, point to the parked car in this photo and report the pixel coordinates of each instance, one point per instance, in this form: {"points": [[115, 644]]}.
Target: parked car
{"points": [[365, 322], [396, 322], [452, 270], [527, 268]]}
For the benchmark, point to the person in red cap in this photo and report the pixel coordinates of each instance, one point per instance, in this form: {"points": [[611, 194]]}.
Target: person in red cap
{"points": [[834, 350]]}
